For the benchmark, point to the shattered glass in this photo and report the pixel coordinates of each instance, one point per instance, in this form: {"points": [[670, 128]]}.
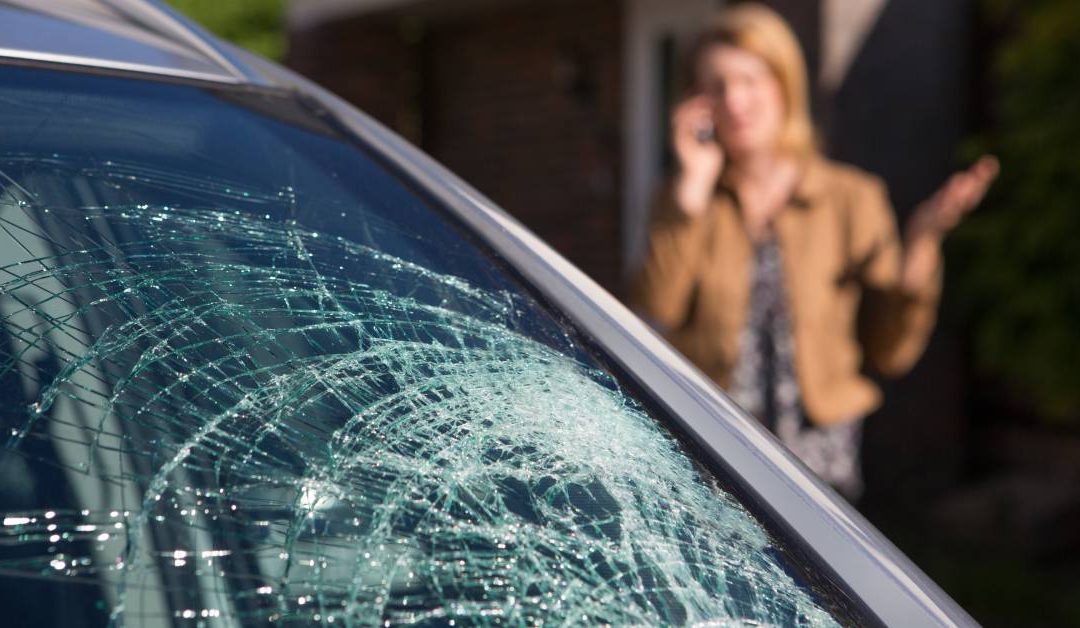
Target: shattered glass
{"points": [[249, 375]]}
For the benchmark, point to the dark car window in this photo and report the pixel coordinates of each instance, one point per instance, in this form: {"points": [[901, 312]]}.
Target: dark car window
{"points": [[249, 374]]}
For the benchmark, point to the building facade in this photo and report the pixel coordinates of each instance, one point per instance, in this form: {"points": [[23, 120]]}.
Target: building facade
{"points": [[558, 111]]}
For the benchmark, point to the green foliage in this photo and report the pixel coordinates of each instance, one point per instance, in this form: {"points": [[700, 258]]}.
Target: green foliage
{"points": [[1017, 260], [258, 25]]}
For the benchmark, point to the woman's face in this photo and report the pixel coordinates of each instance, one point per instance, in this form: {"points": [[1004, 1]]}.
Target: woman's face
{"points": [[748, 101]]}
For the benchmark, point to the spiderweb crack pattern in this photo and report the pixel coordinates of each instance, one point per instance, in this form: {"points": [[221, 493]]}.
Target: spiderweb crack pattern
{"points": [[310, 429]]}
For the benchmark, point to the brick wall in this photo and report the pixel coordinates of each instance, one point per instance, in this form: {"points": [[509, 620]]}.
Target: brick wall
{"points": [[366, 61], [521, 100]]}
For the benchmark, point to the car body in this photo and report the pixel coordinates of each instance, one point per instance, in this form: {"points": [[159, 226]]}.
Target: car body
{"points": [[262, 360]]}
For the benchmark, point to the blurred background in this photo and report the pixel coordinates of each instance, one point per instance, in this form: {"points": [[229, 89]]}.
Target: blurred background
{"points": [[558, 111]]}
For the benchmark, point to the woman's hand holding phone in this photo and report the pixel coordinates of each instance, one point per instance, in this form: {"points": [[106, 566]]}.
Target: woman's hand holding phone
{"points": [[699, 154]]}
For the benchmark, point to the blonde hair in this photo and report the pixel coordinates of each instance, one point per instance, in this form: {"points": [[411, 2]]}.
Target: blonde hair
{"points": [[759, 30]]}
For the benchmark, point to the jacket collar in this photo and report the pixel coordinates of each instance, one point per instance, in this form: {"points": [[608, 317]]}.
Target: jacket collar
{"points": [[811, 184], [808, 189]]}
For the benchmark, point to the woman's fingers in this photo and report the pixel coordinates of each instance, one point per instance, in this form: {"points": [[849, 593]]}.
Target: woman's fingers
{"points": [[987, 167], [699, 102], [692, 115], [690, 120], [964, 193], [960, 194], [699, 162], [973, 183], [984, 172], [964, 189]]}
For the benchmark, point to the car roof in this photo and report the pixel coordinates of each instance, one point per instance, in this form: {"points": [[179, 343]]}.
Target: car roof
{"points": [[135, 35]]}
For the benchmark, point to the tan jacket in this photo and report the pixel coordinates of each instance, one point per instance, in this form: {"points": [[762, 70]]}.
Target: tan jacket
{"points": [[842, 260]]}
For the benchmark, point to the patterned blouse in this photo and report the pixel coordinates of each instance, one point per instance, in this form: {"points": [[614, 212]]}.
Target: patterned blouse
{"points": [[764, 382]]}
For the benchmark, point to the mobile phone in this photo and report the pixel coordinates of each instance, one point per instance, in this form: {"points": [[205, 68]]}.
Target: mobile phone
{"points": [[705, 133]]}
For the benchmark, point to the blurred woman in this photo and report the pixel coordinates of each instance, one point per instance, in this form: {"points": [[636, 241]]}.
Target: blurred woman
{"points": [[779, 273]]}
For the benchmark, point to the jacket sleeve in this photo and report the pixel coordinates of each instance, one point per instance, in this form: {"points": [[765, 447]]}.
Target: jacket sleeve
{"points": [[663, 288], [894, 325]]}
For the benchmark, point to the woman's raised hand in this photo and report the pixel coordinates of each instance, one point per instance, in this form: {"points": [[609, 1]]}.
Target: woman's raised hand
{"points": [[699, 155], [940, 213]]}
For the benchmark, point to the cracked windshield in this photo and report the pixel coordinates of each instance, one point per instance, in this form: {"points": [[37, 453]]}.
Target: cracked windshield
{"points": [[250, 375]]}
